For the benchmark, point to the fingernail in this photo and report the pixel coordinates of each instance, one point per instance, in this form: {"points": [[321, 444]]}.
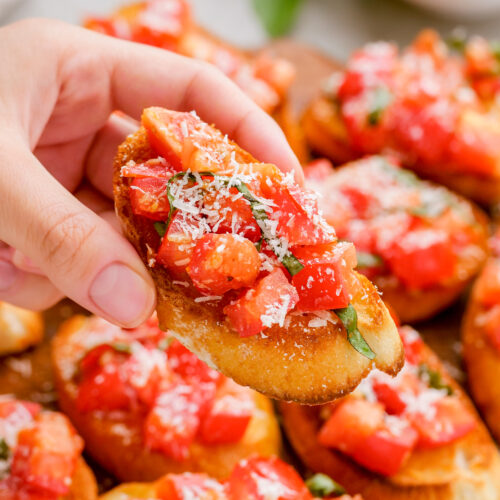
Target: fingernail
{"points": [[122, 294], [8, 274]]}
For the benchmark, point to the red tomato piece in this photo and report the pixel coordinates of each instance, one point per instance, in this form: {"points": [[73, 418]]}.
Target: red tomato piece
{"points": [[45, 457], [360, 429], [11, 406], [223, 262], [422, 258], [324, 282], [172, 424], [412, 343], [101, 25], [148, 197], [177, 246], [390, 392], [189, 485], [229, 415], [262, 478], [158, 168], [318, 170], [264, 305], [446, 421]]}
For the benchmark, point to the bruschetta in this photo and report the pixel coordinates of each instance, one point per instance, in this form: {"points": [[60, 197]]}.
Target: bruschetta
{"points": [[481, 340], [19, 329], [40, 455], [249, 276], [254, 478], [434, 109], [419, 243], [147, 406], [168, 24], [415, 436]]}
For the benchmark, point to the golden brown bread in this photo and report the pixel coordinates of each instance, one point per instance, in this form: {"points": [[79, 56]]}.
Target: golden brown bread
{"points": [[19, 329], [83, 484], [468, 469], [294, 363], [117, 443]]}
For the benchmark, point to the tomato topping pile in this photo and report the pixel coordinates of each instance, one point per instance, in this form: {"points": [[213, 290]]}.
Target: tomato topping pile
{"points": [[385, 419], [428, 105], [38, 451], [403, 228], [238, 230], [254, 478], [178, 398], [168, 24]]}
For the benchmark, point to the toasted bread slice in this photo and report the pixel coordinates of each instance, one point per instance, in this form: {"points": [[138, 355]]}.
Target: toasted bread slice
{"points": [[83, 483], [116, 442], [19, 329], [294, 362], [467, 468]]}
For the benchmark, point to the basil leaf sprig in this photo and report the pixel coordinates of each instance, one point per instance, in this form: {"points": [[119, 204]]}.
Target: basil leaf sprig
{"points": [[321, 485], [277, 16], [349, 318], [382, 97], [4, 450], [291, 263], [433, 378]]}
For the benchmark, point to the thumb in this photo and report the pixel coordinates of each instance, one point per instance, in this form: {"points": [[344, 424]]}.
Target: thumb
{"points": [[80, 253]]}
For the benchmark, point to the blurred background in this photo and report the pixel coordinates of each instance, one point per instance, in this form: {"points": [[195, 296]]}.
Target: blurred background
{"points": [[335, 26]]}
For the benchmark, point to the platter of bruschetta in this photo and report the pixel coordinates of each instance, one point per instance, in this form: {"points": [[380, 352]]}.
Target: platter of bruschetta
{"points": [[334, 338]]}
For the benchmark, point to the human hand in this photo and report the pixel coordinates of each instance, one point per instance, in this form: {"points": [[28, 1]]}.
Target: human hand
{"points": [[58, 87]]}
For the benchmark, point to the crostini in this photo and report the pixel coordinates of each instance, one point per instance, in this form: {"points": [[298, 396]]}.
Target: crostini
{"points": [[40, 455], [481, 339], [146, 406], [255, 478], [434, 109], [415, 436], [168, 24], [420, 244], [249, 276], [19, 329]]}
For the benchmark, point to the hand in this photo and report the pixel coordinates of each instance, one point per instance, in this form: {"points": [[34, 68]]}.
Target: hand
{"points": [[58, 87]]}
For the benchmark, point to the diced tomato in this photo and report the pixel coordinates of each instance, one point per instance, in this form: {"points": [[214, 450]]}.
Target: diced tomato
{"points": [[177, 246], [223, 262], [229, 415], [360, 429], [492, 327], [263, 478], [188, 485], [46, 454], [422, 258], [158, 168], [148, 197], [318, 170], [412, 343], [264, 305], [480, 58], [390, 392], [10, 406], [233, 215], [101, 25], [446, 421], [324, 282], [488, 284], [172, 424]]}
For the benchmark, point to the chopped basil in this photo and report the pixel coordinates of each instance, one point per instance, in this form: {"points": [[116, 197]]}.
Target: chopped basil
{"points": [[366, 259], [258, 245], [4, 450], [495, 48], [457, 41], [165, 343], [382, 97], [433, 378], [161, 228], [291, 263], [349, 318], [428, 210], [321, 485], [121, 347], [400, 175]]}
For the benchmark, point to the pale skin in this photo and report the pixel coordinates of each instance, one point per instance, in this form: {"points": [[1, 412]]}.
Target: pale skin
{"points": [[59, 85]]}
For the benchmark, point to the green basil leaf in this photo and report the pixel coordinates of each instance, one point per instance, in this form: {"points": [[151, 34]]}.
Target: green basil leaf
{"points": [[121, 347], [4, 450], [382, 97], [366, 259], [433, 378], [457, 42], [165, 343], [321, 485], [349, 318], [277, 16], [161, 228]]}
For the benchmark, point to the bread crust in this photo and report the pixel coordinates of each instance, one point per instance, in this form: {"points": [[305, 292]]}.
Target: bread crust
{"points": [[294, 363], [326, 135], [466, 469], [19, 329], [83, 484], [116, 442]]}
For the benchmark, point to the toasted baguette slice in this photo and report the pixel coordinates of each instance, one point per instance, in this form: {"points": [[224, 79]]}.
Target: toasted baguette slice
{"points": [[116, 442], [19, 329], [83, 484], [466, 469], [294, 362]]}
